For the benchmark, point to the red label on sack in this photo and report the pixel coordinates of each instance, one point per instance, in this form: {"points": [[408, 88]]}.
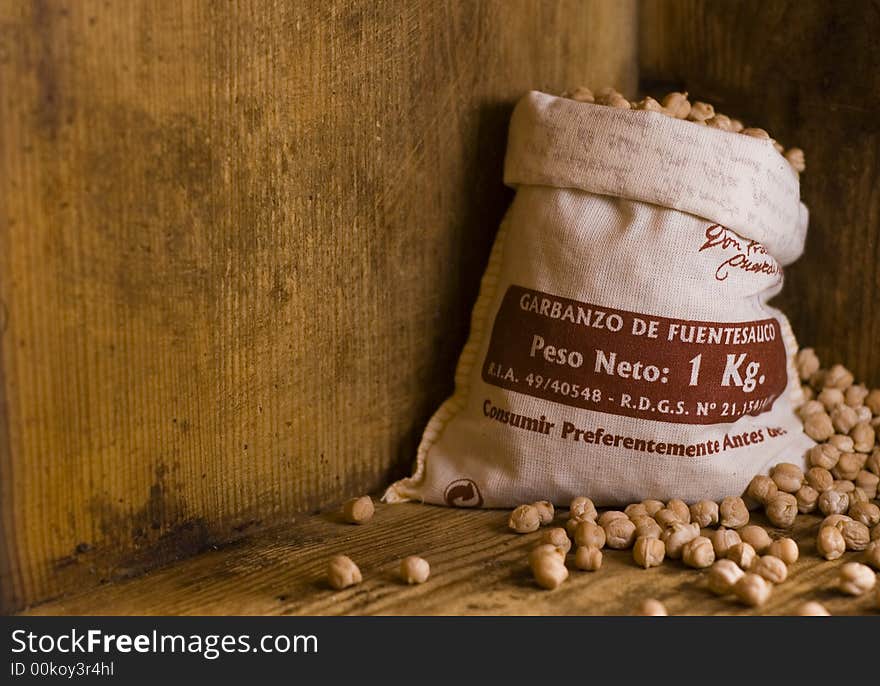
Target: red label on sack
{"points": [[626, 363]]}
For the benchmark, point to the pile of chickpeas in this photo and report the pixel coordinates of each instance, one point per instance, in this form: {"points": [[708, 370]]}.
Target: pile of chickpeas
{"points": [[678, 105], [744, 560]]}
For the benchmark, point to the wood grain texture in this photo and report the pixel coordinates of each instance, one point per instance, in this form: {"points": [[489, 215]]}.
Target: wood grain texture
{"points": [[478, 567], [808, 72], [238, 247]]}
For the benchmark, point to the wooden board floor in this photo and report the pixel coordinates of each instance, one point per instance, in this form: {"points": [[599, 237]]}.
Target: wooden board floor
{"points": [[478, 567]]}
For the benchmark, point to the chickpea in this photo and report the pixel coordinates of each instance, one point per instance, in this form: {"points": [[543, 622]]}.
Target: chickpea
{"points": [[698, 553], [546, 512], [652, 507], [524, 519], [810, 407], [583, 94], [752, 589], [787, 477], [847, 467], [610, 516], [855, 535], [819, 478], [742, 554], [557, 537], [545, 549], [676, 536], [582, 507], [844, 486], [834, 520], [634, 510], [723, 575], [795, 157], [588, 558], [786, 549], [830, 543], [648, 104], [856, 578], [867, 513], [761, 489], [619, 533], [844, 444], [721, 122], [863, 436], [875, 533], [358, 510], [646, 527], [757, 537], [864, 415], [824, 456], [808, 392], [755, 132], [843, 417], [571, 524], [872, 464], [677, 105], [414, 570], [831, 398], [855, 395], [723, 540], [868, 482], [807, 363], [833, 502], [590, 534], [652, 608], [838, 377], [680, 508], [667, 517], [705, 513], [818, 426], [782, 510], [549, 572], [733, 512], [872, 401], [342, 572], [807, 498], [872, 554], [813, 609], [771, 568], [649, 552]]}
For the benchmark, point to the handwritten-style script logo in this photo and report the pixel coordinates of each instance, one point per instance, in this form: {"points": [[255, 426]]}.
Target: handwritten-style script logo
{"points": [[749, 256]]}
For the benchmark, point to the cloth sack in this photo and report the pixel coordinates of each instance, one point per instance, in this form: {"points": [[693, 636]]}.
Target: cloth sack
{"points": [[621, 346]]}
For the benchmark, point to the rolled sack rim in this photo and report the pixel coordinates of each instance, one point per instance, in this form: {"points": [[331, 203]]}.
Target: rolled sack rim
{"points": [[738, 181]]}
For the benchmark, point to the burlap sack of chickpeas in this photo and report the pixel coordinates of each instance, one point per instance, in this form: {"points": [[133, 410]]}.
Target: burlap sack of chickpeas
{"points": [[622, 347]]}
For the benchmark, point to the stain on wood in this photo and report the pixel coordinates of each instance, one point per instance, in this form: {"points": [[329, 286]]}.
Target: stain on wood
{"points": [[807, 72], [238, 248], [478, 567]]}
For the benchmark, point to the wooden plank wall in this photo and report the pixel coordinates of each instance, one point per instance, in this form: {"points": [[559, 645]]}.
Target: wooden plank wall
{"points": [[809, 72], [238, 247]]}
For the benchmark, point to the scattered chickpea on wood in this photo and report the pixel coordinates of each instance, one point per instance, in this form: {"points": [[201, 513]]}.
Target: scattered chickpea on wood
{"points": [[358, 510], [588, 558], [786, 549], [723, 575], [787, 477], [856, 578], [590, 534], [723, 540], [705, 513], [757, 537], [698, 553], [771, 568], [652, 608], [524, 519], [414, 570], [619, 533], [676, 536], [649, 552], [872, 555], [582, 507], [752, 589], [813, 609], [558, 537], [549, 571], [545, 511], [342, 572], [733, 512], [743, 555], [830, 543], [762, 488]]}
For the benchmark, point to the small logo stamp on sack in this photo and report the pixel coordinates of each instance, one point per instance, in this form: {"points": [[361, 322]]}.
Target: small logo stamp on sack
{"points": [[463, 493]]}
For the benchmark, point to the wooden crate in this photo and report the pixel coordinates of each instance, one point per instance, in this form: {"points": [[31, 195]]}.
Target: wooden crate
{"points": [[239, 244]]}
